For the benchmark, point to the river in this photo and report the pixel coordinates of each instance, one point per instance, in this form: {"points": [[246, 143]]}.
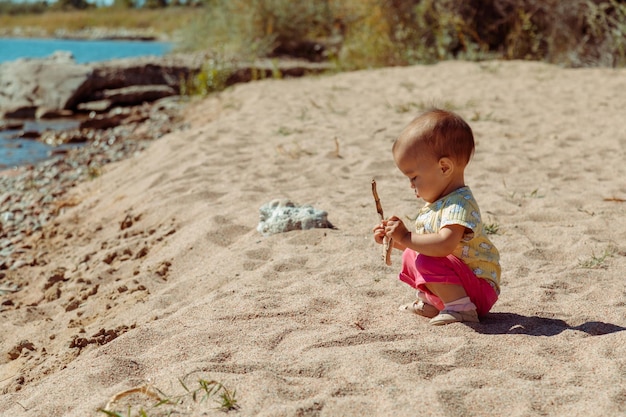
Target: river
{"points": [[83, 50]]}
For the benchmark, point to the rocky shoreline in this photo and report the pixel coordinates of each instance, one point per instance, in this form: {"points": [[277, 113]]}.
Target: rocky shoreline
{"points": [[32, 196], [90, 33], [123, 106]]}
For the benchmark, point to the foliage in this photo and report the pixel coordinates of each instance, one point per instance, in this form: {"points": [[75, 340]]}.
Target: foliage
{"points": [[165, 21], [254, 28], [212, 78], [8, 7], [399, 32]]}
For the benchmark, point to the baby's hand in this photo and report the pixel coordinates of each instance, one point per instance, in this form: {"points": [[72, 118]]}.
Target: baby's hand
{"points": [[395, 229], [379, 232]]}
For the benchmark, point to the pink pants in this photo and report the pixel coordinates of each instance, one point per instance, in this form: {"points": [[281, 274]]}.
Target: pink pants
{"points": [[419, 270]]}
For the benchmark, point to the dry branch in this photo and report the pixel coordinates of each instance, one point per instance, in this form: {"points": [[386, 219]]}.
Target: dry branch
{"points": [[387, 242]]}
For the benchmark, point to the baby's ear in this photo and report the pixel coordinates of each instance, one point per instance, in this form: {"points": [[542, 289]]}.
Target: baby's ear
{"points": [[446, 165]]}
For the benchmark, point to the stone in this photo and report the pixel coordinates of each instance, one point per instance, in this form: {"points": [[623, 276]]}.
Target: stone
{"points": [[101, 122], [28, 134], [279, 216], [138, 94], [46, 113], [50, 82], [11, 125], [19, 112], [98, 106], [58, 83]]}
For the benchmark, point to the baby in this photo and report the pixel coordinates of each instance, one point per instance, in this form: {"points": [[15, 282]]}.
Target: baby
{"points": [[449, 259]]}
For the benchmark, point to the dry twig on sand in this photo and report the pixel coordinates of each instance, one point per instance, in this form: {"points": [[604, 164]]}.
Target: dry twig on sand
{"points": [[387, 242]]}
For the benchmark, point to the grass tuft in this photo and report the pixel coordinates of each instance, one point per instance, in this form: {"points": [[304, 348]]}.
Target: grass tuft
{"points": [[598, 261], [190, 400], [492, 228]]}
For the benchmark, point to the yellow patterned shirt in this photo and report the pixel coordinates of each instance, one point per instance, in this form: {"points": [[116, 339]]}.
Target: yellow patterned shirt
{"points": [[474, 249]]}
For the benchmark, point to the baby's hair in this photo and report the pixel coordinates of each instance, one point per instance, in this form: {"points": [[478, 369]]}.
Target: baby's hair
{"points": [[443, 132]]}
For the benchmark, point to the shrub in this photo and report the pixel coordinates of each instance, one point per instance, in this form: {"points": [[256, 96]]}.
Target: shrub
{"points": [[371, 33], [255, 28], [8, 7]]}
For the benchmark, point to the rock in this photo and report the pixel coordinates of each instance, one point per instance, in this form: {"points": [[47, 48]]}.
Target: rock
{"points": [[58, 83], [54, 138], [101, 121], [110, 78], [46, 113], [28, 134], [62, 57], [50, 82], [17, 349], [98, 106], [11, 125], [138, 94], [280, 216], [18, 112], [167, 70]]}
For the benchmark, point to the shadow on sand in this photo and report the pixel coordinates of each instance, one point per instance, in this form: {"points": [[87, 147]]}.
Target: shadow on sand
{"points": [[511, 323]]}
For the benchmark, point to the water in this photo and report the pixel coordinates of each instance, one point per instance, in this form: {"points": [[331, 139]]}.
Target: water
{"points": [[83, 51], [16, 152]]}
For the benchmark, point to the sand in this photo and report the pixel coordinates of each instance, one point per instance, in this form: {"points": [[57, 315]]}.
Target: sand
{"points": [[159, 275]]}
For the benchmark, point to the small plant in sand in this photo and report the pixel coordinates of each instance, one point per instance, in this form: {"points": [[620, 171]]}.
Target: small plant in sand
{"points": [[94, 171], [212, 78], [172, 405], [492, 228], [517, 197], [210, 389], [598, 261], [284, 131]]}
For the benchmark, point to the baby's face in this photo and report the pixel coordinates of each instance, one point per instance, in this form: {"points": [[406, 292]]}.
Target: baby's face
{"points": [[425, 173]]}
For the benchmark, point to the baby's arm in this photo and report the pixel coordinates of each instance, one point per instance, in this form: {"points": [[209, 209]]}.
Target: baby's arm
{"points": [[432, 244]]}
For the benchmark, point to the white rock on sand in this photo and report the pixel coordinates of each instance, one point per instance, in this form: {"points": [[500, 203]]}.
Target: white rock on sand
{"points": [[160, 275]]}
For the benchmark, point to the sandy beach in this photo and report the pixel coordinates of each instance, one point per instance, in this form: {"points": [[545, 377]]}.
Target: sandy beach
{"points": [[155, 273]]}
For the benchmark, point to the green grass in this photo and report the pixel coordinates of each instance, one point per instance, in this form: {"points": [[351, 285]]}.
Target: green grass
{"points": [[598, 261], [517, 197], [492, 228], [193, 398]]}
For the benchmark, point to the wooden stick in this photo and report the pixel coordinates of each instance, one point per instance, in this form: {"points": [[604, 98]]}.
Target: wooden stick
{"points": [[379, 208], [387, 242]]}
